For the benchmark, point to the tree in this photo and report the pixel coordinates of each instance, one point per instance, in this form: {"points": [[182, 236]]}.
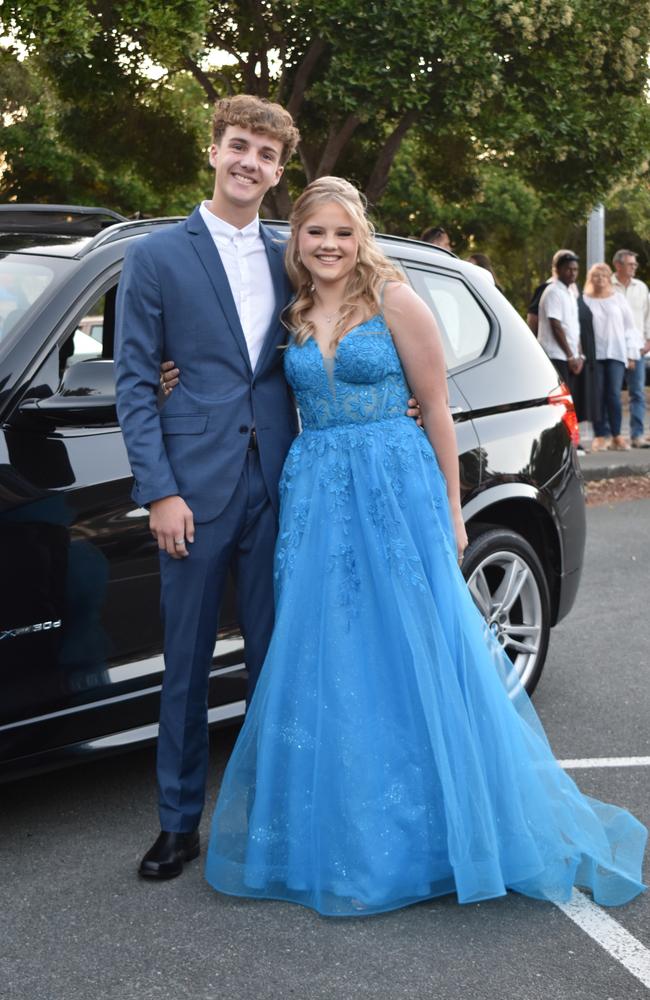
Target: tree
{"points": [[553, 86], [628, 221], [57, 151]]}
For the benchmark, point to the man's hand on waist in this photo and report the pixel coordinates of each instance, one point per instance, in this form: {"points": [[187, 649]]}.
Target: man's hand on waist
{"points": [[172, 524]]}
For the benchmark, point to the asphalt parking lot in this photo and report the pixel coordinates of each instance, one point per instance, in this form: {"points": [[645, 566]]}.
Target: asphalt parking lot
{"points": [[78, 924]]}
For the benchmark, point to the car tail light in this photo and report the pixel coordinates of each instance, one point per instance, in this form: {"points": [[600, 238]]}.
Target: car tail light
{"points": [[562, 397]]}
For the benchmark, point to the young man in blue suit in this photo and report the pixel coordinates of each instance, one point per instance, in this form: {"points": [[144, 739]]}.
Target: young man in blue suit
{"points": [[208, 293]]}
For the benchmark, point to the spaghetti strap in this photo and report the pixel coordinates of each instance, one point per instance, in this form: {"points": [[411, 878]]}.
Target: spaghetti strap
{"points": [[381, 299], [382, 295]]}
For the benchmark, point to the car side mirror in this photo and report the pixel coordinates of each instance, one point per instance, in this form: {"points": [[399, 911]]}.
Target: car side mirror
{"points": [[85, 397]]}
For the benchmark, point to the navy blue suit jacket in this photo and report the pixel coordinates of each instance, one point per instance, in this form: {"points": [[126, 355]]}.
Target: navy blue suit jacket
{"points": [[174, 301]]}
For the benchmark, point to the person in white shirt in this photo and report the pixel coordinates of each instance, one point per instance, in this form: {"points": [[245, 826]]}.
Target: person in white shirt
{"points": [[616, 343], [638, 299], [558, 328]]}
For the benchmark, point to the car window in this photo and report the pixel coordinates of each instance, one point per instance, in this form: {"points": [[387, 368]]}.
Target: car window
{"points": [[92, 337], [464, 325], [22, 284]]}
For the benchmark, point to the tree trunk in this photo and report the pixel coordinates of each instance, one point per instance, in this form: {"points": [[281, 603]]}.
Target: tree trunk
{"points": [[277, 202], [201, 78], [306, 68], [309, 157], [381, 170], [336, 143]]}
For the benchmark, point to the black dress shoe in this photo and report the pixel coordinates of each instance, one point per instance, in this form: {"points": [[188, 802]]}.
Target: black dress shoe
{"points": [[168, 855]]}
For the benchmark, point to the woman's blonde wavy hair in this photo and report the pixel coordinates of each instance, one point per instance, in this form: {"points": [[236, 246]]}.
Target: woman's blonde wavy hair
{"points": [[366, 281], [596, 269]]}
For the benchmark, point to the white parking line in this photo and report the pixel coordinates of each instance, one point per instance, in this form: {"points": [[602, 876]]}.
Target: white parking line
{"points": [[605, 762], [609, 934], [602, 928]]}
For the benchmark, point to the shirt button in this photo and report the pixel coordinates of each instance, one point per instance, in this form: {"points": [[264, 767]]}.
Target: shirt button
{"points": [[243, 429]]}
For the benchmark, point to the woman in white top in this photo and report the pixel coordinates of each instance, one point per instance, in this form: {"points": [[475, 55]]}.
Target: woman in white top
{"points": [[616, 347]]}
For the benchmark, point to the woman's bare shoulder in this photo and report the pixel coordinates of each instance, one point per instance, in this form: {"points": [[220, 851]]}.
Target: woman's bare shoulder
{"points": [[398, 293]]}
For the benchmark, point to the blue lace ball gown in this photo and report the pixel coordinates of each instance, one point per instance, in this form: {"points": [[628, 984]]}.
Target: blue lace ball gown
{"points": [[382, 760]]}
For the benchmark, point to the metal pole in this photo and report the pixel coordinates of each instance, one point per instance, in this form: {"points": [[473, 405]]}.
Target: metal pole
{"points": [[596, 236]]}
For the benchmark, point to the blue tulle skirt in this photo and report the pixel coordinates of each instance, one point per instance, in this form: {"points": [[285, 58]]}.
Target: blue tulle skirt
{"points": [[389, 754]]}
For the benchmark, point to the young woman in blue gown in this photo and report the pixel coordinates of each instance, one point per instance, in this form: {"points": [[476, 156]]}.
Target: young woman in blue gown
{"points": [[389, 754]]}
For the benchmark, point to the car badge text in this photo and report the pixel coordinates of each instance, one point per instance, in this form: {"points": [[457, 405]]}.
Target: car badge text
{"points": [[13, 633]]}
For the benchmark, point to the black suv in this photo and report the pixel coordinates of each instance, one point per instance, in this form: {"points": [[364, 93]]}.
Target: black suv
{"points": [[80, 639]]}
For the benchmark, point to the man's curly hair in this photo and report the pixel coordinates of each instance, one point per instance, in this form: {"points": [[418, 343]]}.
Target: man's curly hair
{"points": [[257, 115]]}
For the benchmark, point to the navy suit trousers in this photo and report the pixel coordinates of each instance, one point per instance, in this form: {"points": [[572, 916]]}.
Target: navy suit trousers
{"points": [[241, 539]]}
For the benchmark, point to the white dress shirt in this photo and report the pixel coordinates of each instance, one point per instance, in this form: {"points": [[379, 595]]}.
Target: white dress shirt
{"points": [[615, 335], [637, 297], [243, 256], [558, 302]]}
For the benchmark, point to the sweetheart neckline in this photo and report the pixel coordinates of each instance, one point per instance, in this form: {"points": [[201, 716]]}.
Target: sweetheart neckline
{"points": [[332, 357]]}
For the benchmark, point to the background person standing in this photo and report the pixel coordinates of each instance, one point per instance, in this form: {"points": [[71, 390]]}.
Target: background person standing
{"points": [[482, 260], [559, 326], [437, 237], [616, 345], [532, 313], [638, 299]]}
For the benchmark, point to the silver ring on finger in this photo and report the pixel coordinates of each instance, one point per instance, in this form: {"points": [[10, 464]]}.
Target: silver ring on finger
{"points": [[179, 541]]}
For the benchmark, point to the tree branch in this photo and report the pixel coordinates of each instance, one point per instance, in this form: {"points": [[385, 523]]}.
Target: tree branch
{"points": [[265, 75], [379, 177], [336, 143], [252, 82], [309, 158], [216, 41], [306, 68], [201, 77]]}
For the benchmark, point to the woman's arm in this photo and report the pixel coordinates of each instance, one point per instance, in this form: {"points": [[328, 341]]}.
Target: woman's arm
{"points": [[419, 346]]}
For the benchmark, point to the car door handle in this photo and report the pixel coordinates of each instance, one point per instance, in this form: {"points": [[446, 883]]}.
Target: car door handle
{"points": [[456, 409]]}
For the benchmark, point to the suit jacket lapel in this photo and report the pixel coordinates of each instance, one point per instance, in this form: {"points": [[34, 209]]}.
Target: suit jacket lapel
{"points": [[211, 260], [281, 289]]}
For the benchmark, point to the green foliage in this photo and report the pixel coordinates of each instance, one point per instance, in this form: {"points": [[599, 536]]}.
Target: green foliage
{"points": [[62, 152], [628, 222], [551, 82], [504, 119]]}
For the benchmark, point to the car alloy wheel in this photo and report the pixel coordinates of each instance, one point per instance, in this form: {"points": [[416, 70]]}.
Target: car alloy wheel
{"points": [[508, 586]]}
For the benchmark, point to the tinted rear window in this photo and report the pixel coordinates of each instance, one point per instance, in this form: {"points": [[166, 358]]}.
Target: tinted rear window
{"points": [[464, 326], [24, 281]]}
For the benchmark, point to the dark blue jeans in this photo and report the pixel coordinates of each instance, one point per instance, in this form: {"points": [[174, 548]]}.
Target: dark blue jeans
{"points": [[636, 389], [609, 379]]}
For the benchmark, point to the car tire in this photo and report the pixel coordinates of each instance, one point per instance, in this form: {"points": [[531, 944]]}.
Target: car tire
{"points": [[509, 587]]}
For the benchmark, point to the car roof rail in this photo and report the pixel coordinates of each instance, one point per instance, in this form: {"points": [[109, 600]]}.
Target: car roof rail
{"points": [[73, 220], [139, 227], [130, 227]]}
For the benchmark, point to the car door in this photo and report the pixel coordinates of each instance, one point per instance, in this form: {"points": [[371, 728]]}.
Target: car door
{"points": [[81, 648], [82, 596]]}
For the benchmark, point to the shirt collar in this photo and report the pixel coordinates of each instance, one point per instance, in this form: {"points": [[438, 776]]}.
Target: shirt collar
{"points": [[223, 231]]}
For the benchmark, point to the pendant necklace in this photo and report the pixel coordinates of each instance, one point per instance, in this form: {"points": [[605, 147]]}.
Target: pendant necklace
{"points": [[328, 317]]}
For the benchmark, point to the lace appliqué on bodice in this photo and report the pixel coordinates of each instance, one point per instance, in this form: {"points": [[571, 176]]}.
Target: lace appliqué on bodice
{"points": [[364, 381]]}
